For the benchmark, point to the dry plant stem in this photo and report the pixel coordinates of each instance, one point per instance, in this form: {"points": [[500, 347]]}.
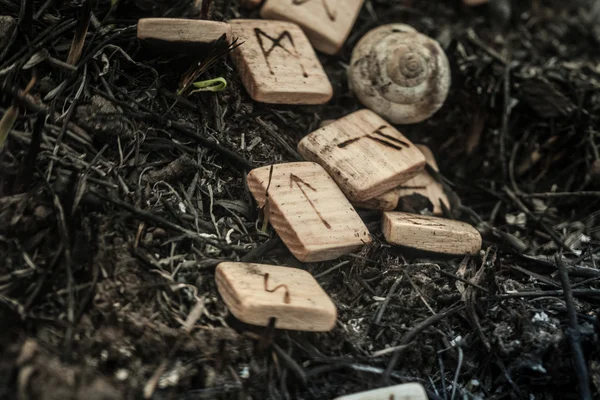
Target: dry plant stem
{"points": [[67, 119], [181, 128], [270, 129], [574, 334], [163, 223], [26, 17], [205, 9], [80, 32], [593, 293], [412, 334], [505, 121], [27, 102], [384, 304], [51, 33], [26, 174], [526, 210], [296, 369], [551, 195]]}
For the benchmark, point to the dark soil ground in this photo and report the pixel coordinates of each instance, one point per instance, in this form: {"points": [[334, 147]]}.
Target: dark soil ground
{"points": [[117, 200]]}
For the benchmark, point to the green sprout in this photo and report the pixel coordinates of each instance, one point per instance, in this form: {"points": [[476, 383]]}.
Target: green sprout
{"points": [[210, 85]]}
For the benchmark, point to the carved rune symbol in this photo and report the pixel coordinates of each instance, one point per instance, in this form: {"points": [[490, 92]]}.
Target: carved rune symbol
{"points": [[424, 222], [278, 42], [331, 12], [286, 296], [379, 137], [299, 182]]}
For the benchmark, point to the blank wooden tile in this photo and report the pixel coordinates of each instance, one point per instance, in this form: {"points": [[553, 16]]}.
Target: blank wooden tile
{"points": [[180, 32], [439, 235], [327, 23], [308, 211], [406, 391], [277, 64], [255, 293], [364, 154], [423, 184]]}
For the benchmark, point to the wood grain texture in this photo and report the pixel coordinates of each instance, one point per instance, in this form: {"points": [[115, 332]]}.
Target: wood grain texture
{"points": [[364, 154], [181, 31], [277, 64], [423, 184], [439, 235], [327, 23], [290, 295], [406, 391], [308, 211]]}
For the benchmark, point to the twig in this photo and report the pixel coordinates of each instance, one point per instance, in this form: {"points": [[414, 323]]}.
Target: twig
{"points": [[473, 38], [275, 135], [181, 128], [544, 293], [387, 300], [413, 333], [291, 363], [526, 210], [550, 195], [83, 22], [505, 120], [574, 334], [463, 280], [165, 224]]}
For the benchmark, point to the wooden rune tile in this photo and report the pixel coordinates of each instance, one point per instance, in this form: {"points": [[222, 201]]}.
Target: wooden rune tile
{"points": [[308, 210], [327, 23], [255, 293], [433, 234], [277, 64], [364, 154], [181, 32], [406, 391], [423, 184]]}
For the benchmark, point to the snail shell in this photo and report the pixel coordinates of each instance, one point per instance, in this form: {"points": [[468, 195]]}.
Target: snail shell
{"points": [[399, 73]]}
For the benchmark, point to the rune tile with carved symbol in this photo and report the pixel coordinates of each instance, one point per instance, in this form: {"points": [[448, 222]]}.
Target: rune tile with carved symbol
{"points": [[432, 234], [255, 293], [277, 64], [327, 23], [308, 210], [364, 154], [405, 391], [424, 184]]}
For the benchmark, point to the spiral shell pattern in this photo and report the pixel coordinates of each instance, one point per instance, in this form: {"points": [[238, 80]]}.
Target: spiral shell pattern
{"points": [[399, 73]]}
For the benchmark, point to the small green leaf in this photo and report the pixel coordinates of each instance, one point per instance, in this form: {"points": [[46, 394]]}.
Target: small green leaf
{"points": [[210, 85]]}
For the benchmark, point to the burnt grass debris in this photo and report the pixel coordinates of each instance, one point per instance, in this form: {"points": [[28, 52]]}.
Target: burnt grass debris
{"points": [[118, 198]]}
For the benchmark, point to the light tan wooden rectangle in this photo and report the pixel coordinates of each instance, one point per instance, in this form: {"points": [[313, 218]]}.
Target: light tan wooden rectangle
{"points": [[290, 295], [364, 154], [277, 64], [308, 210], [327, 23], [406, 391], [181, 31], [423, 184], [432, 234]]}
